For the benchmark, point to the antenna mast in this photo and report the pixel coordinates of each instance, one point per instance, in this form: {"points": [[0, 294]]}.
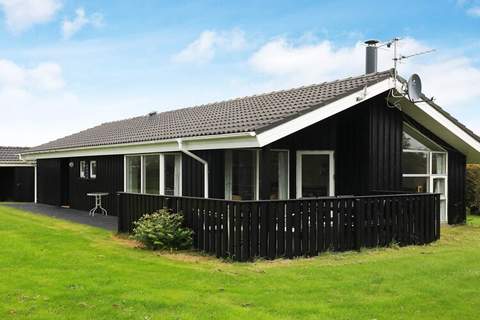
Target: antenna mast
{"points": [[397, 58]]}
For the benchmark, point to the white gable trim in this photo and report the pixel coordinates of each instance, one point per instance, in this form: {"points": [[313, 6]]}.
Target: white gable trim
{"points": [[443, 127], [307, 119]]}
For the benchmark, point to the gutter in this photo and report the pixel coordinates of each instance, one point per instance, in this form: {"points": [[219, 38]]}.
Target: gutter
{"points": [[202, 161]]}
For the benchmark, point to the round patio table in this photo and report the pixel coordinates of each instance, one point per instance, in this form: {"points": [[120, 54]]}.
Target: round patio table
{"points": [[98, 202]]}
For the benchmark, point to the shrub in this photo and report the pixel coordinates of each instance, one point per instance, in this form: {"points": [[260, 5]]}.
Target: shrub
{"points": [[162, 230], [472, 194]]}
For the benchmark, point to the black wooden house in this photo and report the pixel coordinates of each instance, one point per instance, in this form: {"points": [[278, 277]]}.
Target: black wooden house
{"points": [[354, 136]]}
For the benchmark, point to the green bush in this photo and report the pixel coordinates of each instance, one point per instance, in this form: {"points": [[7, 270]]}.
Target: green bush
{"points": [[162, 230], [472, 194]]}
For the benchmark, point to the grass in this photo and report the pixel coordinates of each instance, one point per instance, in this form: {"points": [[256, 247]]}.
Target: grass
{"points": [[52, 269]]}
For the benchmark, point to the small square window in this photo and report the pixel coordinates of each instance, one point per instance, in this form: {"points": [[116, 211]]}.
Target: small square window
{"points": [[93, 169], [83, 169]]}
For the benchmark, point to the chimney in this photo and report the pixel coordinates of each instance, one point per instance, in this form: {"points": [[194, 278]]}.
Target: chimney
{"points": [[371, 56]]}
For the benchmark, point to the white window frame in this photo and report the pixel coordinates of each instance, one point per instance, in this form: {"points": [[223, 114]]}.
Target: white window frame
{"points": [[83, 166], [178, 171], [429, 175], [93, 176], [331, 164]]}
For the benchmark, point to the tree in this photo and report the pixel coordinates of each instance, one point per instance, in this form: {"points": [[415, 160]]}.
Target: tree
{"points": [[472, 194]]}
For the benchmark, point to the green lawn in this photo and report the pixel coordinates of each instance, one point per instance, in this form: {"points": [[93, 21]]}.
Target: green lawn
{"points": [[51, 269]]}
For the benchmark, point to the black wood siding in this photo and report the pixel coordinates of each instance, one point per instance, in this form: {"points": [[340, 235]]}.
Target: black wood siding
{"points": [[109, 179], [7, 179], [456, 188], [49, 181], [23, 188], [60, 184], [193, 174], [385, 147], [366, 140]]}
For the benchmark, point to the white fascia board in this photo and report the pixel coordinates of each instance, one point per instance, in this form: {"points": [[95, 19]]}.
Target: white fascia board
{"points": [[10, 165], [227, 141], [307, 119], [443, 127]]}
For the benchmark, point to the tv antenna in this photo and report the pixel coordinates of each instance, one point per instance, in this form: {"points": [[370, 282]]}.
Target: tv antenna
{"points": [[414, 83]]}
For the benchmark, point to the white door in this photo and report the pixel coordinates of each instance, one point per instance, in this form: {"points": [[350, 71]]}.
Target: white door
{"points": [[315, 174]]}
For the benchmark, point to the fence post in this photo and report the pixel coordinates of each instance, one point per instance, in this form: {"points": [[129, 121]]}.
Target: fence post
{"points": [[119, 214], [359, 222]]}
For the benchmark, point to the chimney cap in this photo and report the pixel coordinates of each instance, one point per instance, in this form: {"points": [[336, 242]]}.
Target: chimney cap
{"points": [[371, 42]]}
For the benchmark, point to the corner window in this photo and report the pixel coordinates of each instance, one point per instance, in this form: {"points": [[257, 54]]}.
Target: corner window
{"points": [[83, 169], [93, 169], [424, 166]]}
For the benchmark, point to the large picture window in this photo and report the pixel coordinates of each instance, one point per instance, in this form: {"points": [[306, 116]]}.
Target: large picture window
{"points": [[154, 174], [424, 165]]}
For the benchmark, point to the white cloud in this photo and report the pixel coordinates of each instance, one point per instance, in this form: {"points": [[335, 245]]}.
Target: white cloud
{"points": [[81, 20], [22, 14], [307, 63], [45, 76], [29, 96], [452, 79], [474, 11], [204, 48]]}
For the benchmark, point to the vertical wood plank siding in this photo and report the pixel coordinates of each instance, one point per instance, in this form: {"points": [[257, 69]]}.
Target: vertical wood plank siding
{"points": [[60, 184], [16, 184], [23, 188], [49, 182], [385, 147], [193, 174], [244, 230], [456, 188]]}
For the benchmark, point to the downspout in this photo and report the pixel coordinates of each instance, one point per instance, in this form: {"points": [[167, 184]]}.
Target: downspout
{"points": [[194, 156]]}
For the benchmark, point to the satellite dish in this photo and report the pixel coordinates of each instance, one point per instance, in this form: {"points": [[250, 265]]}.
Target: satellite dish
{"points": [[414, 87]]}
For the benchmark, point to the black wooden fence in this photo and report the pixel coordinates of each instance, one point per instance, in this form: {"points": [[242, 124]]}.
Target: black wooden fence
{"points": [[243, 230]]}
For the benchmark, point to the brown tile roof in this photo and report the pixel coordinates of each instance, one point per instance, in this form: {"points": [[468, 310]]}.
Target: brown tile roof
{"points": [[246, 114], [9, 155]]}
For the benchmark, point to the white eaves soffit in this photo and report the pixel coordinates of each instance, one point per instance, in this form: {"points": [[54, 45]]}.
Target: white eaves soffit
{"points": [[442, 127]]}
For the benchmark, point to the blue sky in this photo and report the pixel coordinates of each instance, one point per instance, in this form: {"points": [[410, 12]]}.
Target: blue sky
{"points": [[69, 65]]}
